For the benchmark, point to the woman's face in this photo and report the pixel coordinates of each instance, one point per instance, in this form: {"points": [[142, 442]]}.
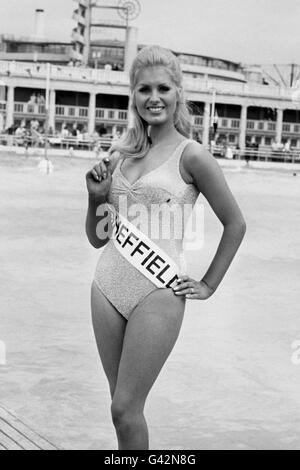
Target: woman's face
{"points": [[156, 96]]}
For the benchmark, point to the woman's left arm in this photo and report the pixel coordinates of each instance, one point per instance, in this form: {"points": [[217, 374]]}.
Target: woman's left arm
{"points": [[210, 181]]}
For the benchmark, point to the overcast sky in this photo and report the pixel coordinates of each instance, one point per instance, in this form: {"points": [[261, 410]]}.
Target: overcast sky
{"points": [[255, 31]]}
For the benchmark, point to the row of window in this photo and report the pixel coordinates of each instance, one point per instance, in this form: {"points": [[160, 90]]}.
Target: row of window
{"points": [[122, 115], [261, 140], [84, 112], [109, 52], [271, 126], [39, 48], [208, 62]]}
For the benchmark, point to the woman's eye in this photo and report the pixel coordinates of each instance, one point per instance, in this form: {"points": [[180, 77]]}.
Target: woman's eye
{"points": [[164, 89], [143, 90]]}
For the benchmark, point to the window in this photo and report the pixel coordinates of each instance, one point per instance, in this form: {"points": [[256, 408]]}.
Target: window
{"points": [[250, 125], [123, 115], [235, 123], [19, 107], [60, 111], [111, 114], [294, 142], [286, 128], [268, 140], [83, 112], [224, 123], [261, 126], [71, 112], [198, 121], [297, 128], [100, 113], [271, 126], [232, 138]]}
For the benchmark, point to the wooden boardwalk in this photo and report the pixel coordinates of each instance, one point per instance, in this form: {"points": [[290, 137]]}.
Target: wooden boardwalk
{"points": [[16, 435]]}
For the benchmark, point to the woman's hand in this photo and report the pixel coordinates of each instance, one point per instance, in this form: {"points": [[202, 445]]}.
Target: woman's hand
{"points": [[98, 180], [192, 289]]}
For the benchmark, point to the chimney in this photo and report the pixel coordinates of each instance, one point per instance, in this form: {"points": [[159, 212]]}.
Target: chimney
{"points": [[39, 24]]}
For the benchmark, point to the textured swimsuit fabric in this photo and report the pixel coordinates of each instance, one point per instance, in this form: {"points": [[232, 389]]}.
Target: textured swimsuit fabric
{"points": [[122, 284]]}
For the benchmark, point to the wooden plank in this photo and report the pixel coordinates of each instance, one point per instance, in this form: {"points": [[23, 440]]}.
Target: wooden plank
{"points": [[16, 435]]}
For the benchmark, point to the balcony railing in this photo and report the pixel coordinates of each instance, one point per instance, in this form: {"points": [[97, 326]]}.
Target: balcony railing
{"points": [[28, 108], [262, 126], [76, 112], [121, 115]]}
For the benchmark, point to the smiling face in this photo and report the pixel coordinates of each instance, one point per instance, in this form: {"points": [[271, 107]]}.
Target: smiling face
{"points": [[156, 96]]}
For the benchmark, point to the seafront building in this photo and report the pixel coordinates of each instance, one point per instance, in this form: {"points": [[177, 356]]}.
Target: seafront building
{"points": [[236, 99]]}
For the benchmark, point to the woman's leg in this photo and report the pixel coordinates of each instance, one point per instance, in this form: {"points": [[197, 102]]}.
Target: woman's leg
{"points": [[109, 327], [150, 336]]}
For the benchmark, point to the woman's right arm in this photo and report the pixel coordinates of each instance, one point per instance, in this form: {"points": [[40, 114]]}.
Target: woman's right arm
{"points": [[98, 182], [92, 221]]}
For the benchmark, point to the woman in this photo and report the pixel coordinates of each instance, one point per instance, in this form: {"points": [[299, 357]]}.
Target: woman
{"points": [[136, 323]]}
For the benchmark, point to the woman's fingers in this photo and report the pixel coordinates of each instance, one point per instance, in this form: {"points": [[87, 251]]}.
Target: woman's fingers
{"points": [[103, 169], [183, 278], [184, 288], [95, 174]]}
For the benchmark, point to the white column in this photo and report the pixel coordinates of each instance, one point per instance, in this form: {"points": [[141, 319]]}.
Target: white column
{"points": [[279, 123], [206, 123], [92, 114], [131, 46], [52, 109], [10, 106], [2, 92], [243, 127]]}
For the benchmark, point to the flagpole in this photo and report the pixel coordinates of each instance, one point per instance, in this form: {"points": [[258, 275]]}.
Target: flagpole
{"points": [[213, 107], [47, 114]]}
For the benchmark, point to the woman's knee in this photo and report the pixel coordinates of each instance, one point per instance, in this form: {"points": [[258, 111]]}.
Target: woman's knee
{"points": [[125, 411]]}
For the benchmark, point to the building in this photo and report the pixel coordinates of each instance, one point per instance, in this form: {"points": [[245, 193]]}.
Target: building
{"points": [[233, 96], [36, 48]]}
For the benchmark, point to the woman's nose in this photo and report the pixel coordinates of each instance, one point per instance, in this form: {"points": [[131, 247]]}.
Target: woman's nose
{"points": [[154, 96]]}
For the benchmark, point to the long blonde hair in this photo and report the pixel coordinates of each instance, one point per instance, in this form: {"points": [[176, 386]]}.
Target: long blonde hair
{"points": [[135, 142]]}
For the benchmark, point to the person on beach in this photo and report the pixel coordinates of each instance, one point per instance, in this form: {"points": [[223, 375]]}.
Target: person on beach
{"points": [[136, 323]]}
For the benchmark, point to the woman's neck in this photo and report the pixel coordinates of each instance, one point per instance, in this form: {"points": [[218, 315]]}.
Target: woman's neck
{"points": [[159, 135]]}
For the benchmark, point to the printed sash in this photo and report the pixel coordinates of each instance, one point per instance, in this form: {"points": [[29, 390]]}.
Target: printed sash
{"points": [[142, 253]]}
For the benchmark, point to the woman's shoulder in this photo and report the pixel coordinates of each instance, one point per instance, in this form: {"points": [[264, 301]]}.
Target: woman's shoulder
{"points": [[195, 151], [195, 158]]}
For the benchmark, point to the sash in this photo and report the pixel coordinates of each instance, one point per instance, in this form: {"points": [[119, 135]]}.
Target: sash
{"points": [[142, 253]]}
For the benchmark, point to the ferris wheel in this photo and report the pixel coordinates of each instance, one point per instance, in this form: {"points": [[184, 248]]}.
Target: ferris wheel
{"points": [[129, 9]]}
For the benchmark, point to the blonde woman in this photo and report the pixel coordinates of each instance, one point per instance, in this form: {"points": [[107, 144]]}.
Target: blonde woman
{"points": [[136, 323]]}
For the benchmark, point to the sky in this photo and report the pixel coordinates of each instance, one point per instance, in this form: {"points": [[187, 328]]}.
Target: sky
{"points": [[247, 31]]}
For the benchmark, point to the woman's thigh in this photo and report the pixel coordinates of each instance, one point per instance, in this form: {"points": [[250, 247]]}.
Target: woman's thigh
{"points": [[151, 333], [109, 327]]}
